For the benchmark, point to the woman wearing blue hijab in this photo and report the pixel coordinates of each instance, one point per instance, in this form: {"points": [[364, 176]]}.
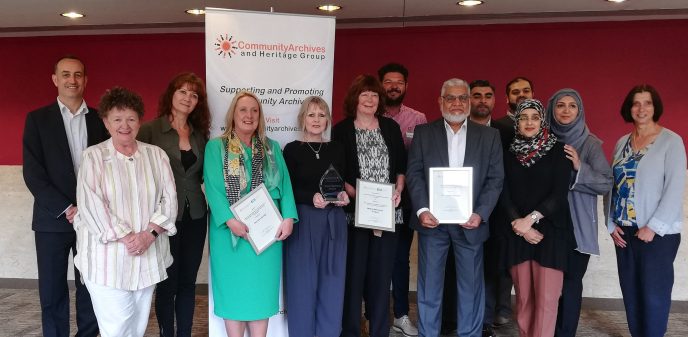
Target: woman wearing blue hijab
{"points": [[591, 176]]}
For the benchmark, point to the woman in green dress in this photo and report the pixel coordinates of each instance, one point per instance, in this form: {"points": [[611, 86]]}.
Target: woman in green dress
{"points": [[245, 285]]}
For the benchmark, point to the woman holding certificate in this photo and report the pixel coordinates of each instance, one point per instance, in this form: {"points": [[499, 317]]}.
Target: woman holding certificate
{"points": [[539, 233], [373, 151], [245, 284], [315, 252]]}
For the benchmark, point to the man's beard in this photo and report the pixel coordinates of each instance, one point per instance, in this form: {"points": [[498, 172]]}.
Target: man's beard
{"points": [[513, 106], [482, 113], [451, 118], [394, 102]]}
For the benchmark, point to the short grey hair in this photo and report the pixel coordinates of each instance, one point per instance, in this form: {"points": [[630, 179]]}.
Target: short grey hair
{"points": [[454, 82]]}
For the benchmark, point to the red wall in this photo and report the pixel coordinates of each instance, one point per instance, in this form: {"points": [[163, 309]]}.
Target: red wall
{"points": [[601, 60]]}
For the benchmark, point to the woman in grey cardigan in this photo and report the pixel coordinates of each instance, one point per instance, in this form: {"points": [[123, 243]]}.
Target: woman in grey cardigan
{"points": [[591, 176], [646, 211]]}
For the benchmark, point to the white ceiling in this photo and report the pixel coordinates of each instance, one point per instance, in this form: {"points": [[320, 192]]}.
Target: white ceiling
{"points": [[41, 17]]}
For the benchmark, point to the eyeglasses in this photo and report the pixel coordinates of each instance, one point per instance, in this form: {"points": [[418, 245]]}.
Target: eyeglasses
{"points": [[526, 118], [451, 98]]}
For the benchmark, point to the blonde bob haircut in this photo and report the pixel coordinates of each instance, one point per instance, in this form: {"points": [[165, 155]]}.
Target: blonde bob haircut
{"points": [[229, 119], [318, 102]]}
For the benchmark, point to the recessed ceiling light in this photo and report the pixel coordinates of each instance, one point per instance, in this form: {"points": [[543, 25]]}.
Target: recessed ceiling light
{"points": [[616, 0], [329, 8], [72, 15], [195, 11], [470, 3]]}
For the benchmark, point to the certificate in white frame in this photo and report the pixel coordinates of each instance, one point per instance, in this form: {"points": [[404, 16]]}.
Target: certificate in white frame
{"points": [[259, 213], [374, 205], [451, 194]]}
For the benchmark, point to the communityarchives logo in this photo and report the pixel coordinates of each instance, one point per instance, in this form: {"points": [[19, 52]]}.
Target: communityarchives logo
{"points": [[225, 46]]}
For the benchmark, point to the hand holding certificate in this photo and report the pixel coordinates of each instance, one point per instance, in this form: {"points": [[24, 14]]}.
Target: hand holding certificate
{"points": [[374, 205], [451, 194], [258, 212]]}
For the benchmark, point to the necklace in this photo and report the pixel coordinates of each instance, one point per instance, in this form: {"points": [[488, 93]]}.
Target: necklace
{"points": [[317, 153]]}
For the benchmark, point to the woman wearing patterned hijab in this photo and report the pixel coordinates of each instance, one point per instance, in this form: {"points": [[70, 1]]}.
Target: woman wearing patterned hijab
{"points": [[591, 177], [245, 285], [539, 235]]}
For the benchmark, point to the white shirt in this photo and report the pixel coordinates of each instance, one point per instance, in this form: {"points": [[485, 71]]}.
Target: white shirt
{"points": [[456, 149], [118, 195], [456, 144], [75, 128]]}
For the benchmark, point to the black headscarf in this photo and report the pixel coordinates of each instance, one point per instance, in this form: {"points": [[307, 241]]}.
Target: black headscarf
{"points": [[529, 149]]}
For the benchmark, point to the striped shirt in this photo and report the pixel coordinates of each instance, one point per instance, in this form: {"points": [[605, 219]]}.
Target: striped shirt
{"points": [[118, 195]]}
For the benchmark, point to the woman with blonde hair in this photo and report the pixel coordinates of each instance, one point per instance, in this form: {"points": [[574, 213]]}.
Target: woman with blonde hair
{"points": [[315, 253], [245, 285]]}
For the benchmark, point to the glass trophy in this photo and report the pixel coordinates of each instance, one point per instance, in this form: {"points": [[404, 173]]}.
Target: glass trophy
{"points": [[331, 184]]}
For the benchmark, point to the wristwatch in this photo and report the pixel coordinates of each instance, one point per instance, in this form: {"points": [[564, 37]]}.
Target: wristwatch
{"points": [[534, 217], [152, 231]]}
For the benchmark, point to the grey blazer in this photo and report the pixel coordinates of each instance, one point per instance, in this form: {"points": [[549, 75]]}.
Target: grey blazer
{"points": [[483, 153], [159, 132]]}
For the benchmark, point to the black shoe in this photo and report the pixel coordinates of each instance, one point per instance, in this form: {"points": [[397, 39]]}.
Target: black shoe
{"points": [[448, 332], [488, 332]]}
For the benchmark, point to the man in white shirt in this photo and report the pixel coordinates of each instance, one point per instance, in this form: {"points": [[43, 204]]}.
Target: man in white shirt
{"points": [[453, 141], [54, 138]]}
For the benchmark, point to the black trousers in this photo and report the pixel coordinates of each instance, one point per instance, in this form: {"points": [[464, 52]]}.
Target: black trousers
{"points": [[52, 254], [571, 294], [400, 275], [177, 294], [369, 264], [498, 283]]}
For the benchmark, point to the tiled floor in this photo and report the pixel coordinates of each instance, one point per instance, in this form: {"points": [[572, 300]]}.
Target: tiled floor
{"points": [[20, 316]]}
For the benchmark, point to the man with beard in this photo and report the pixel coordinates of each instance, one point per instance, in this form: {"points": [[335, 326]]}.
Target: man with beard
{"points": [[498, 282], [394, 79], [482, 102], [453, 141], [517, 90]]}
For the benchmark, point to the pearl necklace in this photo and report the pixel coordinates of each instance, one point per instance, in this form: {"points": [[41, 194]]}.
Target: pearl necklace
{"points": [[317, 153]]}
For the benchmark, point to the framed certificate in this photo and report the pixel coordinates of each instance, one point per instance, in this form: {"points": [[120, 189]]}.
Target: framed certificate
{"points": [[374, 205], [257, 211], [451, 193]]}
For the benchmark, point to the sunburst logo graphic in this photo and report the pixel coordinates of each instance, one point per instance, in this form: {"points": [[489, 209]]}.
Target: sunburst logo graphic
{"points": [[225, 46]]}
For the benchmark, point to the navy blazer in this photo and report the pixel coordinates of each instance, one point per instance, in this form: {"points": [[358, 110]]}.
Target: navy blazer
{"points": [[48, 168], [483, 153]]}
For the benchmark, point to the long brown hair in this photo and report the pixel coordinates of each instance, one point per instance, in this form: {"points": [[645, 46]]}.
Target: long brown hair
{"points": [[199, 118]]}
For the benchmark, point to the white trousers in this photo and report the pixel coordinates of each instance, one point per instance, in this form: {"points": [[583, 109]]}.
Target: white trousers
{"points": [[121, 313]]}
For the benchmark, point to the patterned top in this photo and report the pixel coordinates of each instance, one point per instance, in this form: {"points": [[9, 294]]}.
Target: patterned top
{"points": [[373, 159], [118, 195], [623, 191]]}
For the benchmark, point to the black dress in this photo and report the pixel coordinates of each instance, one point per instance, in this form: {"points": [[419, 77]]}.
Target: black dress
{"points": [[542, 187]]}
